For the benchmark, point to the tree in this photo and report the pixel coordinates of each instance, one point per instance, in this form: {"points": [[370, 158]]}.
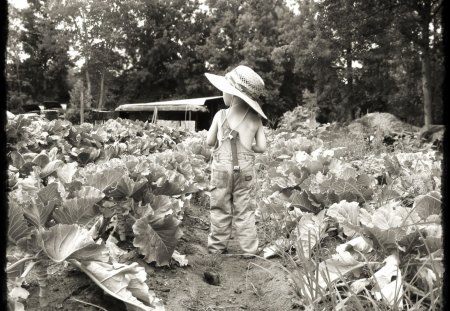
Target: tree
{"points": [[14, 52], [251, 33], [419, 23], [46, 66]]}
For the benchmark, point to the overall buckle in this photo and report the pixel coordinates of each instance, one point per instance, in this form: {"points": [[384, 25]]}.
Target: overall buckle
{"points": [[236, 168]]}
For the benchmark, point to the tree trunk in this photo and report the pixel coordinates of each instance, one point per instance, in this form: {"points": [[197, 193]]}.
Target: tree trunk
{"points": [[102, 84], [82, 105], [426, 70], [19, 84], [349, 77], [88, 86], [426, 89]]}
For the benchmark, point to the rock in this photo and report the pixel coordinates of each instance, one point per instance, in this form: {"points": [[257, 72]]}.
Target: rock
{"points": [[212, 278]]}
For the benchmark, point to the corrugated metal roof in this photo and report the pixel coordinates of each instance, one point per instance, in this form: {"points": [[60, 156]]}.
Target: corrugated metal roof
{"points": [[192, 104]]}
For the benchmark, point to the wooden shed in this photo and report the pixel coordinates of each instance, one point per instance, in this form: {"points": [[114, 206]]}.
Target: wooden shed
{"points": [[197, 111]]}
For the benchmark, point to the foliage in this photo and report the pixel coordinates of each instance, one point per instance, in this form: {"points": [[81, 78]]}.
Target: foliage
{"points": [[383, 210], [353, 56], [89, 190]]}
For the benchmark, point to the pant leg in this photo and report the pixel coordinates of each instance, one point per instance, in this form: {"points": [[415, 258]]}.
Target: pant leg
{"points": [[244, 210], [221, 213]]}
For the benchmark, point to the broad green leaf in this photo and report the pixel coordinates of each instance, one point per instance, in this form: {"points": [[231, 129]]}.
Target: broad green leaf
{"points": [[38, 213], [386, 218], [62, 242], [384, 239], [124, 282], [52, 154], [66, 172], [16, 159], [336, 267], [310, 230], [345, 212], [174, 185], [79, 209], [105, 178], [42, 160], [428, 204], [117, 254], [388, 282], [358, 244], [17, 226], [49, 193], [156, 237], [305, 200], [127, 187], [50, 168]]}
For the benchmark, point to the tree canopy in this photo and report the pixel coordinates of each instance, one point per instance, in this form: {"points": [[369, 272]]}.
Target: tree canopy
{"points": [[354, 56]]}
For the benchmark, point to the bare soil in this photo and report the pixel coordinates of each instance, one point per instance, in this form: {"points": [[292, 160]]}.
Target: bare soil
{"points": [[245, 284]]}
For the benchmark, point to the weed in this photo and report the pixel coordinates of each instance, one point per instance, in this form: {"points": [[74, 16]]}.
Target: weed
{"points": [[211, 262]]}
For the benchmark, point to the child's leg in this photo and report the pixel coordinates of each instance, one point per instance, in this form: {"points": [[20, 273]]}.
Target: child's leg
{"points": [[221, 216], [244, 213]]}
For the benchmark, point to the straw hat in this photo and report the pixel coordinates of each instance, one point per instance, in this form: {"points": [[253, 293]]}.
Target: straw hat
{"points": [[243, 82]]}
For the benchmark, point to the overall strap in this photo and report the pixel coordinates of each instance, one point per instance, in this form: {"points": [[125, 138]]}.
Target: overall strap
{"points": [[233, 141]]}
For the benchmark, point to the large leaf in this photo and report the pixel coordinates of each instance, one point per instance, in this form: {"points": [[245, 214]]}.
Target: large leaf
{"points": [[38, 213], [175, 184], [309, 231], [62, 242], [16, 159], [345, 212], [41, 159], [305, 200], [336, 267], [67, 171], [429, 204], [156, 236], [17, 227], [104, 179], [81, 208], [127, 187], [50, 168], [389, 285], [49, 193], [124, 282], [358, 244]]}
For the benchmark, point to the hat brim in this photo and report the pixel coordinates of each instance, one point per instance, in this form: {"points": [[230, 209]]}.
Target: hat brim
{"points": [[222, 84]]}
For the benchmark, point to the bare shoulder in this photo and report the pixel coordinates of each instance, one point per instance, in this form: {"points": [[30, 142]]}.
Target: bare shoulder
{"points": [[254, 118]]}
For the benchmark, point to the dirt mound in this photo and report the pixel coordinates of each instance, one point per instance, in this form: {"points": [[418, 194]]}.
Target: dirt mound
{"points": [[383, 122]]}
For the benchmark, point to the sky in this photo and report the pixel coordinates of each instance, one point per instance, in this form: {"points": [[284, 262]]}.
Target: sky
{"points": [[20, 4]]}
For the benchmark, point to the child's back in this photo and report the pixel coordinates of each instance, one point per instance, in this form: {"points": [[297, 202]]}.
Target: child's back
{"points": [[233, 133]]}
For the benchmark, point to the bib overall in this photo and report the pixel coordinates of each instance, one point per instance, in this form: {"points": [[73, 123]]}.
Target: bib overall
{"points": [[232, 198]]}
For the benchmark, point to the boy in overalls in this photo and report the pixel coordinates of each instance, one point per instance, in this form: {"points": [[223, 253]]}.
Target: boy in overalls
{"points": [[237, 133]]}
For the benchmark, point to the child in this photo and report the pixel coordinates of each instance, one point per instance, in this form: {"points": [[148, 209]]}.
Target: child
{"points": [[233, 133]]}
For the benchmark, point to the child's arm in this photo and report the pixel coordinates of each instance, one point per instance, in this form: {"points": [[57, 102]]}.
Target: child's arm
{"points": [[260, 138], [211, 138]]}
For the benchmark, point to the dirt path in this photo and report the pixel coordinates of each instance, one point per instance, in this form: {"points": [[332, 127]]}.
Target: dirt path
{"points": [[245, 284]]}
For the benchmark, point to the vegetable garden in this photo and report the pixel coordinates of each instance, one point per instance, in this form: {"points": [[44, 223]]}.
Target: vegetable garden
{"points": [[351, 230]]}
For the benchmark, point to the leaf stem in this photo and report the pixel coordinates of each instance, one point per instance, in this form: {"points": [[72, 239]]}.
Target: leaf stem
{"points": [[19, 262]]}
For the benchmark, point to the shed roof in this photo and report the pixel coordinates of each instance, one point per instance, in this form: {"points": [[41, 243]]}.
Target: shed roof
{"points": [[192, 104]]}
